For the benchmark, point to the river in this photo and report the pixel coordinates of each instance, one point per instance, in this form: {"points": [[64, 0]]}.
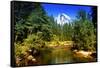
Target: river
{"points": [[61, 56]]}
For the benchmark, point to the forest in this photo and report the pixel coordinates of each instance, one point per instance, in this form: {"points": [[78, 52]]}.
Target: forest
{"points": [[40, 40]]}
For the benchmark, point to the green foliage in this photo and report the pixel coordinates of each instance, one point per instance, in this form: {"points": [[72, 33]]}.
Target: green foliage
{"points": [[81, 15], [20, 49], [67, 31], [34, 28], [84, 36]]}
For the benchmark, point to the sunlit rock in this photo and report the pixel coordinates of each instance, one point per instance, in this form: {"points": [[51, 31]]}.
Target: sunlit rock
{"points": [[82, 53]]}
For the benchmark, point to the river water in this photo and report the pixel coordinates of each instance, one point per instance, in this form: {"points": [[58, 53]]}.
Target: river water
{"points": [[61, 56]]}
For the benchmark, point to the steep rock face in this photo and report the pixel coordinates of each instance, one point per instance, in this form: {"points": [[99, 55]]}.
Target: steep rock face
{"points": [[63, 18]]}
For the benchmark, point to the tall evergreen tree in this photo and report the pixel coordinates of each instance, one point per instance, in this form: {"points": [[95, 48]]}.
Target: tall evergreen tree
{"points": [[84, 36]]}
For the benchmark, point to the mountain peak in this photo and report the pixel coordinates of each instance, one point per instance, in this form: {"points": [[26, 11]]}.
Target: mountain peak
{"points": [[63, 18]]}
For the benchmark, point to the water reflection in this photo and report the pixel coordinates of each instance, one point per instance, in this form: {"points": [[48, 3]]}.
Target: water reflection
{"points": [[58, 55], [61, 55]]}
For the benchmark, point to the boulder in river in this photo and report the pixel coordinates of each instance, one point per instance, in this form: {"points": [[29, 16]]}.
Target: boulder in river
{"points": [[82, 53]]}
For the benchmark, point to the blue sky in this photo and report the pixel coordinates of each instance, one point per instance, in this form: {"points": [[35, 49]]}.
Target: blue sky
{"points": [[70, 10]]}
